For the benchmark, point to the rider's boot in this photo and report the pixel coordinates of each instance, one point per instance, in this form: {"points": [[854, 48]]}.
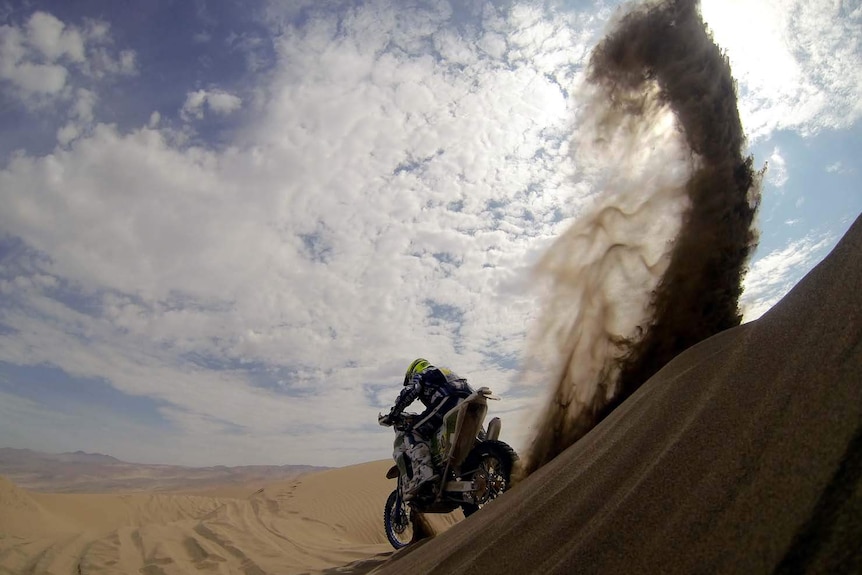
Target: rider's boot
{"points": [[423, 469]]}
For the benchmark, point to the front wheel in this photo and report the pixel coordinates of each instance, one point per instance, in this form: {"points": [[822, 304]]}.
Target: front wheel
{"points": [[397, 521], [492, 462]]}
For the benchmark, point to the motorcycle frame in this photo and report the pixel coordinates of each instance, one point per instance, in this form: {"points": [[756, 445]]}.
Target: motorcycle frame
{"points": [[449, 449], [469, 417]]}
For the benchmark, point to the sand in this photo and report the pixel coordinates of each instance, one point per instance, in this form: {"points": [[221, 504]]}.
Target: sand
{"points": [[743, 455], [82, 472], [310, 524]]}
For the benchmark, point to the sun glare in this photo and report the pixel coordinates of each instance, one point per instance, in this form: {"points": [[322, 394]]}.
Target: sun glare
{"points": [[751, 33]]}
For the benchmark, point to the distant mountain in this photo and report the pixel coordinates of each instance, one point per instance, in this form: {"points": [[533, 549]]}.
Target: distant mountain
{"points": [[84, 457], [82, 472], [9, 455]]}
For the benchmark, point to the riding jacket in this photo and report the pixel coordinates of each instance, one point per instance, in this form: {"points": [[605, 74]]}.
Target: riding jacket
{"points": [[439, 389]]}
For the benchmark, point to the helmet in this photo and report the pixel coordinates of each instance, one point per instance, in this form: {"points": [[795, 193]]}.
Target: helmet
{"points": [[418, 366]]}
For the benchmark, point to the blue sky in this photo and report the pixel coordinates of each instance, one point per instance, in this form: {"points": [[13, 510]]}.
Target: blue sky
{"points": [[227, 227]]}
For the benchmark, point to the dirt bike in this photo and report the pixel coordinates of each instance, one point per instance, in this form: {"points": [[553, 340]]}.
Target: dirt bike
{"points": [[475, 467]]}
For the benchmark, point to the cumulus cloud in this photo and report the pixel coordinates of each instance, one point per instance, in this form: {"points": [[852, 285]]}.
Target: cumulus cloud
{"points": [[39, 56], [53, 39], [24, 65], [47, 64], [217, 101], [378, 207]]}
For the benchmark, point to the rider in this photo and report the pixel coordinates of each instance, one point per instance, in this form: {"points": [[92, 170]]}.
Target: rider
{"points": [[439, 389]]}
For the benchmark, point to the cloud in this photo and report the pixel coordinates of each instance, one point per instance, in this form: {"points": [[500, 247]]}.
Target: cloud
{"points": [[37, 79], [773, 275], [51, 67], [102, 62], [80, 116], [777, 172], [217, 101], [54, 39], [41, 56], [274, 287], [393, 175], [795, 60], [839, 168]]}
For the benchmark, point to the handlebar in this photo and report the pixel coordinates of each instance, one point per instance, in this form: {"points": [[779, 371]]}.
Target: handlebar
{"points": [[401, 422]]}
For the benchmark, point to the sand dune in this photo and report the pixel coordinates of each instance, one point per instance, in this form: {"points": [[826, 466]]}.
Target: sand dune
{"points": [[81, 472], [306, 525], [23, 516], [743, 455]]}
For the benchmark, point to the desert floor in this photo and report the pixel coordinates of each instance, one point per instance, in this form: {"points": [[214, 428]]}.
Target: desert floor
{"points": [[329, 521]]}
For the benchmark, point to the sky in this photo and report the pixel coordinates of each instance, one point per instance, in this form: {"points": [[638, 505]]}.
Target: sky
{"points": [[228, 227]]}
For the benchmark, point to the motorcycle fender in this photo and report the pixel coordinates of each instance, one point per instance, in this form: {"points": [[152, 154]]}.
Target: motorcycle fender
{"points": [[494, 427], [392, 473]]}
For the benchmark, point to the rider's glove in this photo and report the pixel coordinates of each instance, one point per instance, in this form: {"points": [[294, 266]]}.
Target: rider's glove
{"points": [[385, 420]]}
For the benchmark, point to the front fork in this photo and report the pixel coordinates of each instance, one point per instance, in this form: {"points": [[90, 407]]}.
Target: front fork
{"points": [[402, 509], [399, 454]]}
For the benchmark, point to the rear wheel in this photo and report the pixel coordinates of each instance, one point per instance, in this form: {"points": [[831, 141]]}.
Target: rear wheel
{"points": [[493, 468], [397, 521]]}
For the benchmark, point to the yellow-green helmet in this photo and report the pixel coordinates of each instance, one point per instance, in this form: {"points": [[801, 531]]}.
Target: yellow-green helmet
{"points": [[418, 366]]}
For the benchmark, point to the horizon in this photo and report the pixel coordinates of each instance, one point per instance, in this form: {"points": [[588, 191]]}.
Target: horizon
{"points": [[232, 238], [119, 460]]}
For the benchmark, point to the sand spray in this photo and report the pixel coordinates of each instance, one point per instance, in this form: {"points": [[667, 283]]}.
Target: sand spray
{"points": [[656, 264]]}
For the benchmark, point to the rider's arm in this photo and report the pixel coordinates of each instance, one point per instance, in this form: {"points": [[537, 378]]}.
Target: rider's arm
{"points": [[407, 396]]}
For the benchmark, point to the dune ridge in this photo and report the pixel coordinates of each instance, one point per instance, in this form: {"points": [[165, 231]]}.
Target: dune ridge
{"points": [[742, 455]]}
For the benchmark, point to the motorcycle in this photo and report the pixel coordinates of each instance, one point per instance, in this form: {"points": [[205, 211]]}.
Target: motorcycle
{"points": [[476, 467]]}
